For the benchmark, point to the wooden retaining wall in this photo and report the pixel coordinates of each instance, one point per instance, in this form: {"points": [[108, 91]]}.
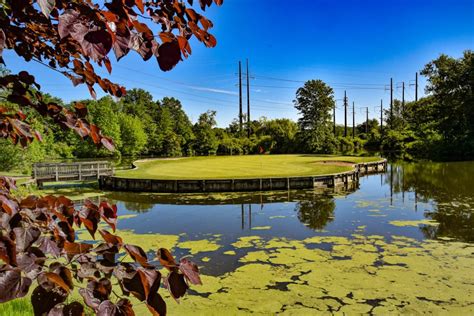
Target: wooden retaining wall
{"points": [[241, 185]]}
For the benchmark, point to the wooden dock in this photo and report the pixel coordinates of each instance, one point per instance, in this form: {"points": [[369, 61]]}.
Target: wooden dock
{"points": [[75, 171]]}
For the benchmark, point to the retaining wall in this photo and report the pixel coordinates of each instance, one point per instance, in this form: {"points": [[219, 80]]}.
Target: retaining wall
{"points": [[112, 183]]}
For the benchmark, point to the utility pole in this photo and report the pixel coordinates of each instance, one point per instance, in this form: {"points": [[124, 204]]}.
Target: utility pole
{"points": [[367, 122], [240, 96], [391, 100], [353, 120], [345, 114], [416, 87], [381, 117], [334, 118], [366, 119], [403, 96], [248, 101]]}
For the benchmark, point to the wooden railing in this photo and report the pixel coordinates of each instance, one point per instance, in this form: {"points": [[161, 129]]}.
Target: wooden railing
{"points": [[80, 171]]}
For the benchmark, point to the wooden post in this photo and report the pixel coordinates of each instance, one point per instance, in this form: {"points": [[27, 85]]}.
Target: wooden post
{"points": [[98, 170], [80, 171], [57, 173], [35, 172]]}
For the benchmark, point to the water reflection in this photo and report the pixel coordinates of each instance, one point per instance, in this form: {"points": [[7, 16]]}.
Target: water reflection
{"points": [[317, 212], [407, 193], [449, 185]]}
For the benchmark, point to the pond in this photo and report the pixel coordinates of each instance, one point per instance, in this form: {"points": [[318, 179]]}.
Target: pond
{"points": [[402, 242]]}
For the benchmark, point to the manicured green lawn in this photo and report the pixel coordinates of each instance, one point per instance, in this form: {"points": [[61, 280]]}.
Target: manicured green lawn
{"points": [[233, 167]]}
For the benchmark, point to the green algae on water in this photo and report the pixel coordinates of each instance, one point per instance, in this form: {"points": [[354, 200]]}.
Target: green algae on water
{"points": [[197, 246], [414, 223], [261, 228], [361, 275]]}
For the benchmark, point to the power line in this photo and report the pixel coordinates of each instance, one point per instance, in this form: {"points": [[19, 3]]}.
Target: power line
{"points": [[330, 83], [332, 86]]}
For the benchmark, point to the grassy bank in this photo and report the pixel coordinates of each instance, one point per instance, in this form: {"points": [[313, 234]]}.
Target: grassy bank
{"points": [[222, 167]]}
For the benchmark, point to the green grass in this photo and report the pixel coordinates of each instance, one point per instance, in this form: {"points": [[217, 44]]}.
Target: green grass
{"points": [[21, 306], [235, 167]]}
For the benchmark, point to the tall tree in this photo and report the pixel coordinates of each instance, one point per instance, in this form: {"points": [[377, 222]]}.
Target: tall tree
{"points": [[182, 126], [451, 82], [315, 101], [139, 103], [206, 140], [132, 134]]}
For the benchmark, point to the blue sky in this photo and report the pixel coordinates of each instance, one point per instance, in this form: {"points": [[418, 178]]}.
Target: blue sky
{"points": [[354, 45]]}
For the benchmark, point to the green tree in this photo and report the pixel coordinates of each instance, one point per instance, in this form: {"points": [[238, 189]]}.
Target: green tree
{"points": [[133, 135], [315, 101], [103, 114], [206, 142], [139, 103], [450, 82], [182, 126], [282, 133]]}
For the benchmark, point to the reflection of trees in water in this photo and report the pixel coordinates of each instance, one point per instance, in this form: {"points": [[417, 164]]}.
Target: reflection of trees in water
{"points": [[138, 207], [455, 222], [450, 185], [316, 212]]}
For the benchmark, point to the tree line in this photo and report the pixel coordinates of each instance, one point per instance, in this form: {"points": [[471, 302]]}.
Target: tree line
{"points": [[438, 125]]}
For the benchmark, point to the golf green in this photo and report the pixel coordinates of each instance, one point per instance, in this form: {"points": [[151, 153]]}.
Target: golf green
{"points": [[242, 167]]}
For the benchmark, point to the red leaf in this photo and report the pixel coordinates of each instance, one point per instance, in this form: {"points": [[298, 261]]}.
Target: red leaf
{"points": [[140, 7], [176, 284], [137, 254], [57, 280], [47, 6], [72, 309], [92, 92], [169, 55], [108, 65], [109, 238], [109, 214], [81, 109], [107, 143], [150, 279], [25, 237], [97, 44], [166, 259], [72, 248], [190, 271], [49, 246], [94, 134], [13, 285], [156, 305], [7, 250], [44, 300], [184, 46], [66, 22], [9, 206], [122, 40], [38, 136], [3, 39]]}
